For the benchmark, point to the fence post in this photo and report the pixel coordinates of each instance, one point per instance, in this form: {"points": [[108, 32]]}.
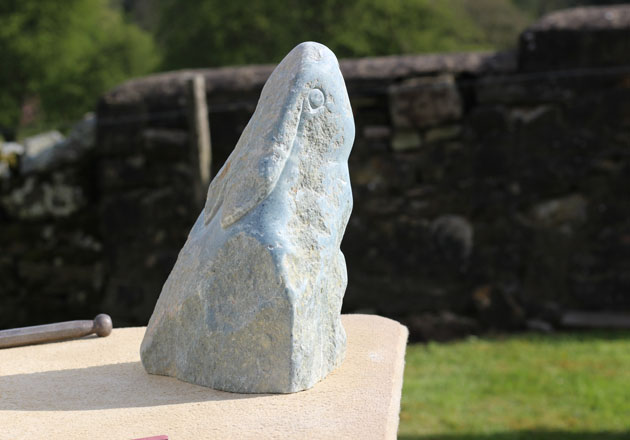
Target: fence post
{"points": [[200, 132]]}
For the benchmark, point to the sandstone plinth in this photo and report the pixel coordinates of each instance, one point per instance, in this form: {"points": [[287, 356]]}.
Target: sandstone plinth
{"points": [[96, 388]]}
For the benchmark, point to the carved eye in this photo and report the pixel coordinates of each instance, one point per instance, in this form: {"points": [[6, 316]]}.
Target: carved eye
{"points": [[316, 98]]}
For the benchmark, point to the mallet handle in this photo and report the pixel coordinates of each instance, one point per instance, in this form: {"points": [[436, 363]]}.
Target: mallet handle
{"points": [[101, 325]]}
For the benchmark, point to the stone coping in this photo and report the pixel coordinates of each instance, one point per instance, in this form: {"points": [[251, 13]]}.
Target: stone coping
{"points": [[585, 18], [96, 388], [250, 78]]}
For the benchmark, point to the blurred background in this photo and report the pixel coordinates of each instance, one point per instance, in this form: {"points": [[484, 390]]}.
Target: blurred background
{"points": [[490, 178], [57, 61], [490, 175]]}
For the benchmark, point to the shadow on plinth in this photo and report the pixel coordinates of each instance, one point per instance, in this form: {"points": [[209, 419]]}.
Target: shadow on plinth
{"points": [[123, 385]]}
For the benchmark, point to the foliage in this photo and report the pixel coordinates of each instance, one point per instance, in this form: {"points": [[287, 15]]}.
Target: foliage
{"points": [[201, 33], [500, 21], [63, 55], [571, 386]]}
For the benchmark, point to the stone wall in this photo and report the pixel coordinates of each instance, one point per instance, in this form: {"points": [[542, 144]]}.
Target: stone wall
{"points": [[490, 189], [51, 253]]}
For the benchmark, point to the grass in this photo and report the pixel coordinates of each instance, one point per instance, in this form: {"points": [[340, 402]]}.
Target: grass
{"points": [[551, 387]]}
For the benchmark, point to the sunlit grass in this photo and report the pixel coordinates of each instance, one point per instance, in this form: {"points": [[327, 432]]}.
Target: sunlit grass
{"points": [[564, 386]]}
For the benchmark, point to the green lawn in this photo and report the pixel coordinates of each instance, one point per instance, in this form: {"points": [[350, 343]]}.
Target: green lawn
{"points": [[552, 387]]}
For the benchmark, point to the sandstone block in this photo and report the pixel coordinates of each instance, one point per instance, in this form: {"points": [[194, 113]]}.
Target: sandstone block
{"points": [[425, 101], [405, 140]]}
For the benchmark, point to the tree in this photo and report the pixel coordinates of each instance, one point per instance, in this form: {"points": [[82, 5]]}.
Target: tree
{"points": [[500, 21], [203, 33], [65, 55]]}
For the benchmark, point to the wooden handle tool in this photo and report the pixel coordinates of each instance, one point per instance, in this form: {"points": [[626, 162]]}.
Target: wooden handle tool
{"points": [[15, 337]]}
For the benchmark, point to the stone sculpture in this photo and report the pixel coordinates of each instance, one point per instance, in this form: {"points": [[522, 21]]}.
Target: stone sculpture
{"points": [[253, 303]]}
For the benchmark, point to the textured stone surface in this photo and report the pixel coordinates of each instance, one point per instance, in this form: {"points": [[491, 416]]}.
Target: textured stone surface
{"points": [[253, 303]]}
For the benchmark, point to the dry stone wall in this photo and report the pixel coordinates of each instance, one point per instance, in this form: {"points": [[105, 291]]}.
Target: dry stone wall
{"points": [[51, 253], [490, 190]]}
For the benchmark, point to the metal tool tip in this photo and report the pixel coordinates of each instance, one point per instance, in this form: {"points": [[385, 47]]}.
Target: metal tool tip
{"points": [[103, 324]]}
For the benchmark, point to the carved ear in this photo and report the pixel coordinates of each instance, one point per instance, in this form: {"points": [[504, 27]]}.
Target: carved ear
{"points": [[254, 167]]}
